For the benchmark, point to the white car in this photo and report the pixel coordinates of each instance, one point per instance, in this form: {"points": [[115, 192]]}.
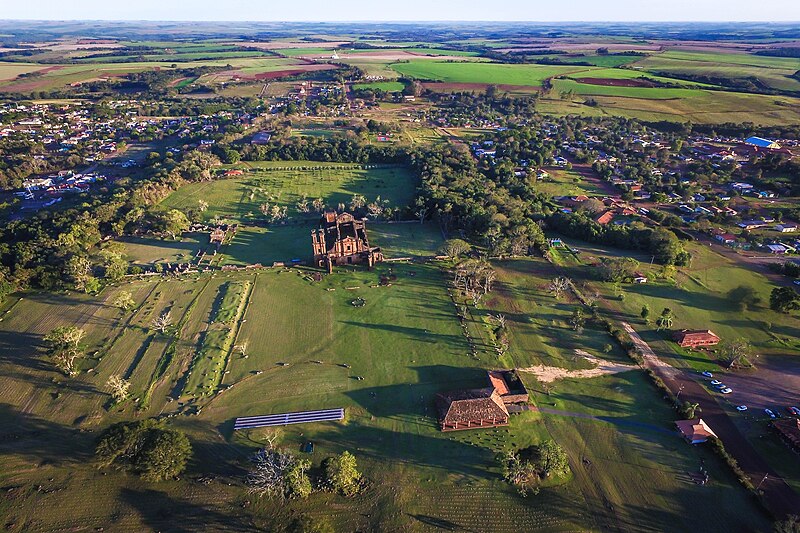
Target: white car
{"points": [[708, 374], [741, 408], [716, 382], [726, 390], [770, 413]]}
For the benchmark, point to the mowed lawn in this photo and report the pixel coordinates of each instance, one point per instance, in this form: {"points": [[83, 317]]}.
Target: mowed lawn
{"points": [[239, 199], [483, 73]]}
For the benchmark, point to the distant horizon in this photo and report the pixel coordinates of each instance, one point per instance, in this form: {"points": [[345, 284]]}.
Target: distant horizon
{"points": [[402, 21], [413, 11]]}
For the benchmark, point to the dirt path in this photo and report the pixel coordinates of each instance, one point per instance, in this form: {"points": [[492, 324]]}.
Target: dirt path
{"points": [[778, 496], [548, 374]]}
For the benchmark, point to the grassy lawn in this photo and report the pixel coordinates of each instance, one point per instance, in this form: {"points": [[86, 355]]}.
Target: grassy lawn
{"points": [[239, 199], [405, 342], [562, 182], [145, 251]]}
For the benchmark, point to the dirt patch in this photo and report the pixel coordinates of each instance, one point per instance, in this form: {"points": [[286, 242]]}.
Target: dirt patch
{"points": [[548, 374], [612, 82]]}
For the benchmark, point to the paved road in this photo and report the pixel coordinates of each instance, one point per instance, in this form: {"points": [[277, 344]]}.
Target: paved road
{"points": [[779, 497]]}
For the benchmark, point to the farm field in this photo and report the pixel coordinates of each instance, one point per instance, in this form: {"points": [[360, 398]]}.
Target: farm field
{"points": [[774, 72], [483, 73], [388, 86], [239, 199], [701, 106]]}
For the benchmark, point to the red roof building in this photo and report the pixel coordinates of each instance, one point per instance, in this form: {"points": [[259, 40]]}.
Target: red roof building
{"points": [[695, 431], [789, 430], [694, 338], [470, 409], [605, 218]]}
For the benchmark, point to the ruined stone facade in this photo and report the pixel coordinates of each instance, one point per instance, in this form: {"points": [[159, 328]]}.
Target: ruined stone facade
{"points": [[340, 239]]}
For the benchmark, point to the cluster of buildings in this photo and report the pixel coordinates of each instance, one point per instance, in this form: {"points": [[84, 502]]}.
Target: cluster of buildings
{"points": [[78, 130]]}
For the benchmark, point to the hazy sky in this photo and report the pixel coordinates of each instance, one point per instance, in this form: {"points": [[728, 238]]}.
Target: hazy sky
{"points": [[397, 10]]}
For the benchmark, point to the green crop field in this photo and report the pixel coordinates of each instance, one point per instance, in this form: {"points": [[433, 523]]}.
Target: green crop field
{"points": [[483, 73], [388, 86], [681, 105], [774, 72], [240, 198]]}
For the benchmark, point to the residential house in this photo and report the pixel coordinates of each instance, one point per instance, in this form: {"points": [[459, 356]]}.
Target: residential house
{"points": [[695, 431], [694, 338]]}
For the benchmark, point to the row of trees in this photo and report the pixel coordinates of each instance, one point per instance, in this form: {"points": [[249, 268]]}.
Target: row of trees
{"points": [[278, 474]]}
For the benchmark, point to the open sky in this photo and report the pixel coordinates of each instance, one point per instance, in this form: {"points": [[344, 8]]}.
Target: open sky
{"points": [[405, 10]]}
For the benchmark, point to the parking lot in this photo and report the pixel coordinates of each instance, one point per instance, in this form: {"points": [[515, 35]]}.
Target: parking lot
{"points": [[775, 384]]}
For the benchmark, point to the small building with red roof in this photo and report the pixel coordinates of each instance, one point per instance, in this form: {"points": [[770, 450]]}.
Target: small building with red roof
{"points": [[694, 338]]}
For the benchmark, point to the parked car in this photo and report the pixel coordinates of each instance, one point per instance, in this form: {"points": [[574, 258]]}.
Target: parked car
{"points": [[708, 374], [770, 413], [741, 408], [726, 390], [793, 411], [716, 382]]}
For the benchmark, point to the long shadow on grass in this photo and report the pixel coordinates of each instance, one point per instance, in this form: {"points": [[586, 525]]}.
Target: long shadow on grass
{"points": [[419, 334], [37, 439], [162, 512], [19, 348]]}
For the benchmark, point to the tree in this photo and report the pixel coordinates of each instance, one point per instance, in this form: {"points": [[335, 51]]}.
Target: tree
{"points": [[357, 202], [455, 248], [551, 459], [173, 222], [65, 337], [318, 205], [278, 474], [664, 321], [124, 301], [202, 205], [162, 322], [421, 209], [784, 299], [744, 297], [592, 206], [558, 286], [119, 387], [790, 525], [577, 320], [617, 269], [147, 448], [645, 313], [342, 475], [64, 347], [78, 269], [690, 409], [519, 473], [738, 353]]}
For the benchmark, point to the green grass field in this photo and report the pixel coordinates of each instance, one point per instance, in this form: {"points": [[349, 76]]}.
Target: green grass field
{"points": [[239, 199], [405, 342], [774, 72], [483, 73], [388, 86]]}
